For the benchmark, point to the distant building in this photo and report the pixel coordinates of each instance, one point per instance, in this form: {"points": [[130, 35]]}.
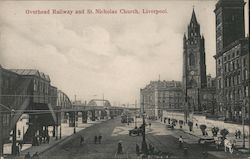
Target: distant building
{"points": [[161, 95], [232, 60]]}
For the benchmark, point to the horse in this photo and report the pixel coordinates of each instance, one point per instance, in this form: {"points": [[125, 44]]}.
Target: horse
{"points": [[228, 145]]}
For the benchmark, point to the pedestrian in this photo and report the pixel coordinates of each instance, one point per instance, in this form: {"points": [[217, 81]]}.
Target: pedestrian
{"points": [[239, 133], [48, 138], [17, 150], [149, 124], [35, 156], [19, 133], [40, 139], [196, 125], [81, 140], [137, 149], [151, 148], [119, 148], [236, 134], [95, 139], [27, 156], [180, 142], [100, 139], [20, 144]]}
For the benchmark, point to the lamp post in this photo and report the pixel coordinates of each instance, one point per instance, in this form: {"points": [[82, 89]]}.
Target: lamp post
{"points": [[243, 121], [74, 122], [144, 146], [13, 147]]}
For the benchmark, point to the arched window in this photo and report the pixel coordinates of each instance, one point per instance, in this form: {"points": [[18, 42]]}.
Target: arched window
{"points": [[191, 59]]}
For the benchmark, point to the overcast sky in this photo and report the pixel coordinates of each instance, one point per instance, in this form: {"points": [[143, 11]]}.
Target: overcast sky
{"points": [[90, 55]]}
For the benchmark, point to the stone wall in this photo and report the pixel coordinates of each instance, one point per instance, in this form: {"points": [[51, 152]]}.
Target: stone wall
{"points": [[200, 119]]}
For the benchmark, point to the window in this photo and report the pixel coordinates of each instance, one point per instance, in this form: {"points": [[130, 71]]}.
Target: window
{"points": [[237, 64], [233, 55], [237, 52], [191, 59], [35, 85], [244, 62], [246, 91], [219, 61]]}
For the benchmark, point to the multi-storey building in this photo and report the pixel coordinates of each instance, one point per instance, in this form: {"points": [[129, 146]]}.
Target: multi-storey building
{"points": [[232, 60], [161, 95]]}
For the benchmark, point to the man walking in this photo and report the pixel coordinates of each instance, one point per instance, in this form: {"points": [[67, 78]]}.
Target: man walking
{"points": [[180, 142], [95, 139], [81, 140], [100, 139]]}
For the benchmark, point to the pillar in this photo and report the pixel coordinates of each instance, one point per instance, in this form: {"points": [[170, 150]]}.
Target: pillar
{"points": [[71, 119], [1, 132], [13, 147], [54, 130], [84, 116], [93, 115]]}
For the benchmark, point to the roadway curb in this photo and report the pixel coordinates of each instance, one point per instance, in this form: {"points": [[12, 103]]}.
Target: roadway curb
{"points": [[63, 140], [67, 138]]}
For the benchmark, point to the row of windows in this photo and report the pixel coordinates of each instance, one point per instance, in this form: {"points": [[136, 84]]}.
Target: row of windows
{"points": [[41, 87], [230, 66], [230, 95], [233, 80], [231, 56]]}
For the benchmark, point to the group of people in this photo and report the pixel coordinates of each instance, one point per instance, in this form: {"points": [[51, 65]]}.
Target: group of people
{"points": [[39, 139], [98, 139]]}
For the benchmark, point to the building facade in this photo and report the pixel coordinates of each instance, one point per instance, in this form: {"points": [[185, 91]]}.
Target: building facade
{"points": [[161, 95], [232, 60], [194, 65]]}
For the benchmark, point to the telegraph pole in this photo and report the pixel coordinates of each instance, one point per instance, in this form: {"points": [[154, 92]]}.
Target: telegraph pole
{"points": [[144, 146], [1, 117]]}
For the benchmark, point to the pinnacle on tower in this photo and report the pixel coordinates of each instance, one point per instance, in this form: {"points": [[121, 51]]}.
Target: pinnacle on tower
{"points": [[184, 37], [193, 18]]}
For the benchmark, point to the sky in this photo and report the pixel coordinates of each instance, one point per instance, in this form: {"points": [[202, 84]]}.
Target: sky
{"points": [[91, 55]]}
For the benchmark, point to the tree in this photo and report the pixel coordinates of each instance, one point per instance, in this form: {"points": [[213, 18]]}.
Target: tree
{"points": [[224, 133], [190, 124], [203, 129], [215, 131]]}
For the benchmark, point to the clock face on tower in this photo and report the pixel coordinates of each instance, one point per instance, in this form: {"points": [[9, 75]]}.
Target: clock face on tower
{"points": [[192, 73]]}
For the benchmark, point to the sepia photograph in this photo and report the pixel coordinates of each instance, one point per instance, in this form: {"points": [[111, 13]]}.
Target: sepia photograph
{"points": [[124, 79]]}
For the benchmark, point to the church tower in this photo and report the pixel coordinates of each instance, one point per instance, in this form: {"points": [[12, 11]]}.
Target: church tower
{"points": [[194, 65]]}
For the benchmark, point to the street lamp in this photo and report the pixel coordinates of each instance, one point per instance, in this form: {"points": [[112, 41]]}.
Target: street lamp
{"points": [[74, 122], [144, 146], [243, 121], [13, 147]]}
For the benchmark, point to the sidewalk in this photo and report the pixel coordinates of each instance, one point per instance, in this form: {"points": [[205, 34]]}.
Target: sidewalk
{"points": [[67, 132], [196, 132]]}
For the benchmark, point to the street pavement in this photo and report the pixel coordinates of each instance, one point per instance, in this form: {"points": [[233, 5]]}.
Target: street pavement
{"points": [[196, 133], [113, 132], [67, 134]]}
